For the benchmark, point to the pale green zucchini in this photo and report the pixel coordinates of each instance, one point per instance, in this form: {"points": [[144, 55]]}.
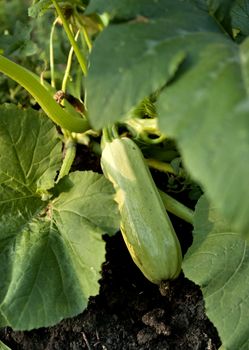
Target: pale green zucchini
{"points": [[145, 225]]}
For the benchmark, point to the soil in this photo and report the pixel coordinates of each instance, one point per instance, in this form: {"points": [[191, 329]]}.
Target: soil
{"points": [[130, 313]]}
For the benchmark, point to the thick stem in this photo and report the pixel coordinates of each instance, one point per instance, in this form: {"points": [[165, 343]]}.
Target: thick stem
{"points": [[161, 166], [144, 129], [106, 137], [177, 208], [87, 39], [70, 121]]}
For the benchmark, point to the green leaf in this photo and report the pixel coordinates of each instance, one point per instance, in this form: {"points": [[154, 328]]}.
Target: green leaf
{"points": [[206, 110], [129, 8], [29, 159], [51, 252], [57, 260], [145, 54], [86, 199], [38, 8], [220, 9], [240, 16], [19, 43], [3, 346], [218, 261], [30, 149]]}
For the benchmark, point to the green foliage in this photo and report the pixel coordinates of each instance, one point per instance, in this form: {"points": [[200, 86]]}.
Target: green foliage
{"points": [[39, 7], [220, 9], [129, 9], [23, 40], [18, 43], [181, 68], [30, 153], [51, 246], [9, 11], [213, 111], [218, 261], [156, 46], [240, 17], [198, 107]]}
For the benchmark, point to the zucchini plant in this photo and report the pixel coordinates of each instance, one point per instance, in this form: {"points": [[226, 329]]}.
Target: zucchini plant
{"points": [[164, 84]]}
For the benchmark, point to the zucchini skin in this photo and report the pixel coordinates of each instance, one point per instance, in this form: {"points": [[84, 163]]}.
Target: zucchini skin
{"points": [[145, 225]]}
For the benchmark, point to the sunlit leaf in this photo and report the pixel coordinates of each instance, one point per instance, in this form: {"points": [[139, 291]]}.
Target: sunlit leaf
{"points": [[218, 261]]}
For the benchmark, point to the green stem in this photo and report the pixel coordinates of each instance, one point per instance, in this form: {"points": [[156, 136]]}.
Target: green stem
{"points": [[69, 64], [141, 125], [51, 53], [153, 141], [70, 152], [177, 208], [105, 136], [84, 31], [79, 55], [161, 166], [70, 121], [144, 129], [87, 39]]}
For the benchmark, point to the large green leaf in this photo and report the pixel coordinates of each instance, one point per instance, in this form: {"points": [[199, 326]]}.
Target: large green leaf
{"points": [[145, 54], [51, 252], [132, 8], [218, 261], [30, 148], [206, 110], [206, 105], [51, 268], [30, 156], [88, 198]]}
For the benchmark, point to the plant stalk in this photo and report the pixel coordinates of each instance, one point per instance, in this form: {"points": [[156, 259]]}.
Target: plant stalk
{"points": [[70, 121], [69, 64], [161, 166], [177, 208], [79, 55], [51, 53]]}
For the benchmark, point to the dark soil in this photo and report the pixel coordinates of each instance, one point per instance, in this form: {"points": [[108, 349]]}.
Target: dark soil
{"points": [[130, 312]]}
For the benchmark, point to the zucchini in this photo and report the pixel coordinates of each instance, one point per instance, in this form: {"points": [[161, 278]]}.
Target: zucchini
{"points": [[145, 225]]}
